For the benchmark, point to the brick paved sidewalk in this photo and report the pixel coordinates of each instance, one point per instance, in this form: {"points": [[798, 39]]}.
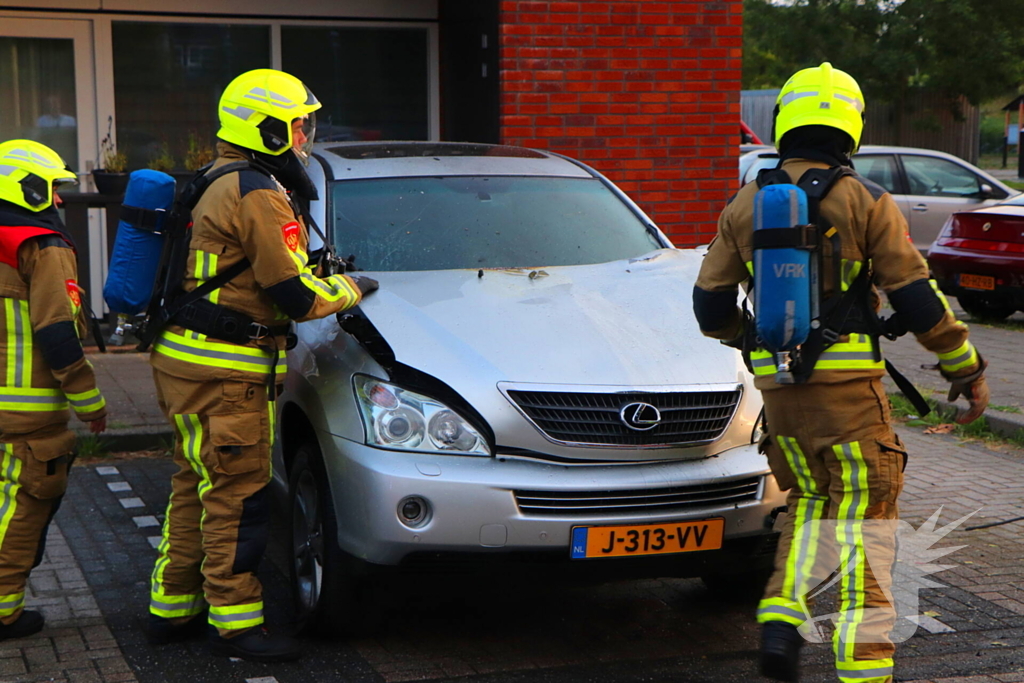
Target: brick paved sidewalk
{"points": [[75, 646]]}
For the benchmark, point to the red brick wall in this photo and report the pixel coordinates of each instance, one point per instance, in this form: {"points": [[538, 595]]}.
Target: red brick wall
{"points": [[646, 92]]}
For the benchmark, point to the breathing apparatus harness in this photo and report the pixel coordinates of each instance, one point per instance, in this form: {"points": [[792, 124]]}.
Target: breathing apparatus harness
{"points": [[845, 312]]}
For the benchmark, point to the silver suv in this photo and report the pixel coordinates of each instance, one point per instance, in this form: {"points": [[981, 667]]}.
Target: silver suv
{"points": [[528, 386]]}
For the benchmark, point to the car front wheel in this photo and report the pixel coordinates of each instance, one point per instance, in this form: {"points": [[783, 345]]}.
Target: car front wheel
{"points": [[332, 596], [983, 308]]}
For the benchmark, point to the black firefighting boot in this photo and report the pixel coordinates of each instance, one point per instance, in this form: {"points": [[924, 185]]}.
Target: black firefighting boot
{"points": [[26, 624], [780, 651], [256, 644], [161, 631]]}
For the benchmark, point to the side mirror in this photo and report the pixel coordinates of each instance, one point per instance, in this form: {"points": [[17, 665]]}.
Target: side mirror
{"points": [[986, 191]]}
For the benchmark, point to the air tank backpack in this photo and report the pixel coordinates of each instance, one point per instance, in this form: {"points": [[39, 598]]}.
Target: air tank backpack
{"points": [[794, 321]]}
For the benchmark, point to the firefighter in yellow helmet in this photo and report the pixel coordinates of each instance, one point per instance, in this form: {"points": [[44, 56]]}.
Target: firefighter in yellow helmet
{"points": [[218, 363], [830, 438], [43, 370]]}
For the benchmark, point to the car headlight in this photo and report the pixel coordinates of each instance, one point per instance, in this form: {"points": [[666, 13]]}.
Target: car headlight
{"points": [[758, 432], [402, 420]]}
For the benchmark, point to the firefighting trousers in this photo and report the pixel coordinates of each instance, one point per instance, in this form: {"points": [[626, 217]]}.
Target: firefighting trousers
{"points": [[218, 514], [33, 477], [833, 447]]}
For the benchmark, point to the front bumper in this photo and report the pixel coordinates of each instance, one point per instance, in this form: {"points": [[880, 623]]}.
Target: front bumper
{"points": [[473, 508]]}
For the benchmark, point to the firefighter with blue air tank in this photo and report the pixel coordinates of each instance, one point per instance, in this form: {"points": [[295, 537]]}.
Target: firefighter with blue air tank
{"points": [[218, 360], [830, 438], [43, 368]]}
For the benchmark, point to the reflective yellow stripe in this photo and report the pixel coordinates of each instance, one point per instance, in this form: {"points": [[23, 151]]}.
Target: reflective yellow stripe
{"points": [[852, 557], [169, 606], [87, 401], [206, 269], [234, 617], [865, 671], [218, 354], [780, 609], [855, 354], [750, 267], [963, 357], [32, 400], [190, 433], [19, 342], [942, 297], [811, 507], [10, 473], [9, 604], [850, 271], [333, 288]]}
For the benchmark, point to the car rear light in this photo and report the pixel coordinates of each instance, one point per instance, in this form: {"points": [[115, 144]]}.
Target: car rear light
{"points": [[981, 231]]}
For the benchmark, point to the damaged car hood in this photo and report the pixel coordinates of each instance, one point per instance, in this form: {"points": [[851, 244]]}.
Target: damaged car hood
{"points": [[624, 323]]}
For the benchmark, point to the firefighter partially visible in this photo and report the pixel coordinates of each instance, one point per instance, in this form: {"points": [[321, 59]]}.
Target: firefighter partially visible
{"points": [[218, 364], [43, 369], [830, 438]]}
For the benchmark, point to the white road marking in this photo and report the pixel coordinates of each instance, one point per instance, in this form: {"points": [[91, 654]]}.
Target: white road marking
{"points": [[119, 486], [147, 520], [107, 471], [131, 503], [154, 540], [931, 624], [261, 679]]}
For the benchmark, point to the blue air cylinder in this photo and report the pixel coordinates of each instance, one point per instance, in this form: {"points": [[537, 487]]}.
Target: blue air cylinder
{"points": [[139, 242], [785, 277]]}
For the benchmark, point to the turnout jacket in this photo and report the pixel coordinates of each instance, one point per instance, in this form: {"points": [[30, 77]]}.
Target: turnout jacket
{"points": [[873, 235], [248, 214], [43, 369]]}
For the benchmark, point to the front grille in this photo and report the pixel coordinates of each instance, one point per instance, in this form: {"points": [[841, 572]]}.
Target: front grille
{"points": [[660, 500], [687, 417]]}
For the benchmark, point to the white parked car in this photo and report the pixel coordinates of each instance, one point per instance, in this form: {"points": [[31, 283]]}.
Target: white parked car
{"points": [[528, 385]]}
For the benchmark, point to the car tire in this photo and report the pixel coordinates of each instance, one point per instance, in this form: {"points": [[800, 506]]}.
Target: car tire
{"points": [[745, 587], [333, 592], [981, 308]]}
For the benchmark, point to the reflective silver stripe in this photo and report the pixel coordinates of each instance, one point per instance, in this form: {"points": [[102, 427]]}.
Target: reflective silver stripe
{"points": [[863, 674], [847, 355], [10, 604], [171, 606], [56, 399], [19, 348], [7, 170], [789, 97], [959, 359], [783, 611], [241, 616], [850, 488], [10, 488], [857, 104], [269, 96], [762, 362], [219, 355], [86, 402]]}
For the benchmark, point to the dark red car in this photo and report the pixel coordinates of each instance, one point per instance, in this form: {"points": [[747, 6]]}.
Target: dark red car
{"points": [[979, 258]]}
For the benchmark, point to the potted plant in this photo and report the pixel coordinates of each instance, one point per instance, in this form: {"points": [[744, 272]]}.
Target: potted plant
{"points": [[112, 176], [162, 161]]}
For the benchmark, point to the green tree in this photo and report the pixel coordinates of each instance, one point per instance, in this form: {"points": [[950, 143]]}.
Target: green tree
{"points": [[970, 48]]}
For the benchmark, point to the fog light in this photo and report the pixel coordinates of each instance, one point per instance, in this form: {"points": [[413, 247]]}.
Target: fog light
{"points": [[414, 511]]}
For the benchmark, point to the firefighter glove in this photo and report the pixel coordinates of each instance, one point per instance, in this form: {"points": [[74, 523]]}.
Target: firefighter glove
{"points": [[974, 388], [366, 284]]}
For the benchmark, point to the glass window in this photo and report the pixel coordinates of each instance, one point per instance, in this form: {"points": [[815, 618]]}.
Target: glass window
{"points": [[878, 168], [168, 79], [930, 176], [483, 222], [372, 81], [37, 93]]}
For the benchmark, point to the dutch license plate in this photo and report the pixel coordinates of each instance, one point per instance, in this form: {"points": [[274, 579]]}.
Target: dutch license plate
{"points": [[646, 539], [977, 281]]}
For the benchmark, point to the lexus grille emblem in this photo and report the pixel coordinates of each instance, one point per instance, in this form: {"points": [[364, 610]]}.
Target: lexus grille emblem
{"points": [[640, 417]]}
